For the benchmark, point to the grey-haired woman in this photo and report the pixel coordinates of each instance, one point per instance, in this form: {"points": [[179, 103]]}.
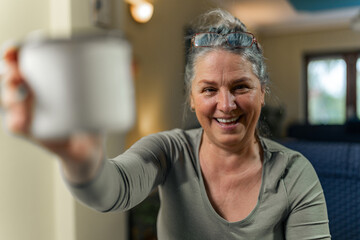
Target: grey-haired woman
{"points": [[220, 181]]}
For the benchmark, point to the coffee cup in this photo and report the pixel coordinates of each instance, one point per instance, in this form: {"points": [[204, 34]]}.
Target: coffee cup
{"points": [[80, 83]]}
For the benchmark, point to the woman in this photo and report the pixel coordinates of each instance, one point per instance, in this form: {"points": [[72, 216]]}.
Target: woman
{"points": [[221, 181]]}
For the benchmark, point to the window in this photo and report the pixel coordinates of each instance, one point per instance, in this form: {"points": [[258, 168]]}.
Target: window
{"points": [[333, 88]]}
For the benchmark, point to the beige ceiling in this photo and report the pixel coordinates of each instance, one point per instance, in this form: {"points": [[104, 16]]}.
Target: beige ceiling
{"points": [[269, 16]]}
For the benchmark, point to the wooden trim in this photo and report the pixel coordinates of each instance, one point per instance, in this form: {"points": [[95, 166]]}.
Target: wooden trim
{"points": [[350, 59], [306, 92]]}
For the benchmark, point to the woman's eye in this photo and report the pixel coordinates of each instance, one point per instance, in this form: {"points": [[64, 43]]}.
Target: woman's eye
{"points": [[209, 90], [241, 88]]}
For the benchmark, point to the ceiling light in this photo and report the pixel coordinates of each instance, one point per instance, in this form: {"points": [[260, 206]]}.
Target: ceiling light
{"points": [[141, 11]]}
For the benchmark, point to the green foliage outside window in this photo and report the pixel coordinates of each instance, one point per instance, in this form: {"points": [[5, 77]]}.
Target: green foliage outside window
{"points": [[327, 91]]}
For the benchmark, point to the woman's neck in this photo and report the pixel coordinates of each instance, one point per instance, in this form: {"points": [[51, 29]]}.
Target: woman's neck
{"points": [[227, 160]]}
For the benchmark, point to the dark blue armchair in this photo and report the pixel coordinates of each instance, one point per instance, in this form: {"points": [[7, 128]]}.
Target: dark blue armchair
{"points": [[338, 167]]}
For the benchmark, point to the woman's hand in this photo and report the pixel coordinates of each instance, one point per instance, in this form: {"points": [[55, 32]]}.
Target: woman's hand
{"points": [[80, 155], [16, 97]]}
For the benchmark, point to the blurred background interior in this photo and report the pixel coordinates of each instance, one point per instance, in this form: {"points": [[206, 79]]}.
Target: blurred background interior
{"points": [[312, 52]]}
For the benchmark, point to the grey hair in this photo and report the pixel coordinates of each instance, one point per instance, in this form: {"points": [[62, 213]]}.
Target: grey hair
{"points": [[222, 22]]}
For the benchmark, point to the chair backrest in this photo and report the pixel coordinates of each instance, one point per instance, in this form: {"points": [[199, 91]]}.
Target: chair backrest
{"points": [[338, 168]]}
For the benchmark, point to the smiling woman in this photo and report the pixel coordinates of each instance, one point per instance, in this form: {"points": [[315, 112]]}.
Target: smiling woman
{"points": [[220, 181]]}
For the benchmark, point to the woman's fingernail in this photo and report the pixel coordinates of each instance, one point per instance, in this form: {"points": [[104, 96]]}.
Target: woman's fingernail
{"points": [[9, 50]]}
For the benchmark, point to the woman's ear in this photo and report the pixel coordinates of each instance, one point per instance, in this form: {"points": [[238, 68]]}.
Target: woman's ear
{"points": [[263, 93], [192, 105]]}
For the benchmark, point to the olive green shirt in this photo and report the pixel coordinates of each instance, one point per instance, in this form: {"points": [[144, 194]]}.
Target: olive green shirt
{"points": [[291, 203]]}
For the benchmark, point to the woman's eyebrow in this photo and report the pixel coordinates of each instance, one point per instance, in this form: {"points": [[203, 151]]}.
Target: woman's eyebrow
{"points": [[207, 82], [240, 80]]}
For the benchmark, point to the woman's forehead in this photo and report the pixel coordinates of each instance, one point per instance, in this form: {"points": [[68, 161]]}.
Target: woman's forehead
{"points": [[222, 58], [220, 62]]}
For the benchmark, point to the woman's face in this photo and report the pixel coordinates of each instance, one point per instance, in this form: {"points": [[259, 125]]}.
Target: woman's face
{"points": [[227, 98]]}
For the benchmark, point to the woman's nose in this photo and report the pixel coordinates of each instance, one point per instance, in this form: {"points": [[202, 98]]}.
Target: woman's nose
{"points": [[226, 101]]}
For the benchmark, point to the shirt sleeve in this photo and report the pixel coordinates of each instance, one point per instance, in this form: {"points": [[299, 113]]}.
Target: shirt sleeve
{"points": [[307, 217], [128, 179]]}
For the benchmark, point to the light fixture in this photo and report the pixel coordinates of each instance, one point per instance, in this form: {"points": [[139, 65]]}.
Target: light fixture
{"points": [[141, 10]]}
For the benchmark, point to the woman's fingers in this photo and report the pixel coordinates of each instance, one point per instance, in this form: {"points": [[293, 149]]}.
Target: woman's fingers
{"points": [[16, 97], [18, 115]]}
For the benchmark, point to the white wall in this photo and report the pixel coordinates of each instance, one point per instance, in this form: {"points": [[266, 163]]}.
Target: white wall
{"points": [[26, 182]]}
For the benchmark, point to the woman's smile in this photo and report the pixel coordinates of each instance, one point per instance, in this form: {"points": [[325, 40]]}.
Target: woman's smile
{"points": [[228, 124], [227, 120]]}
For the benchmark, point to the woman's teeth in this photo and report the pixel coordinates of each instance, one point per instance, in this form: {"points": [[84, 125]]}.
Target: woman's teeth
{"points": [[223, 120]]}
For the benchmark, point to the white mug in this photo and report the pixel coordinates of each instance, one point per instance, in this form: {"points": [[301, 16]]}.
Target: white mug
{"points": [[81, 83]]}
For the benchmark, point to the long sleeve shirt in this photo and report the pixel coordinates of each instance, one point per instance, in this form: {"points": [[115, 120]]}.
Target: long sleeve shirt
{"points": [[291, 203]]}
